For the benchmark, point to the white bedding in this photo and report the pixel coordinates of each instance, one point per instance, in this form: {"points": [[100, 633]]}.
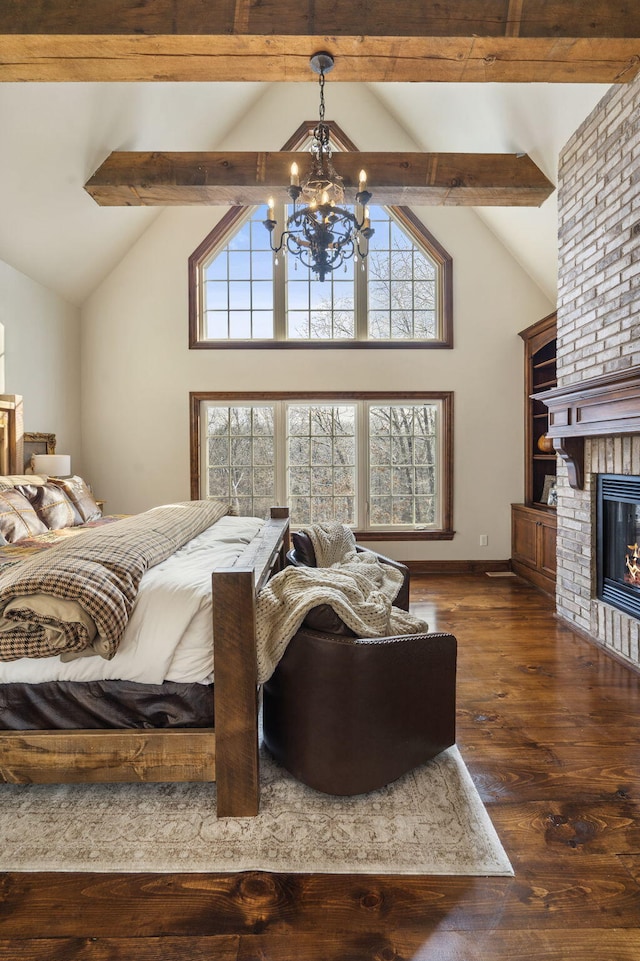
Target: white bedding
{"points": [[168, 637]]}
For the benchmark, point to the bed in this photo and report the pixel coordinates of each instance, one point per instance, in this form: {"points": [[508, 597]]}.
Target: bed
{"points": [[224, 750]]}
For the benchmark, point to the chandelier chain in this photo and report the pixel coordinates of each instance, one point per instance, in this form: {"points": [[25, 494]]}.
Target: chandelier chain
{"points": [[321, 85]]}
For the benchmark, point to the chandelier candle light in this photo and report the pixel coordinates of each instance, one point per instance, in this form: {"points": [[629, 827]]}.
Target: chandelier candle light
{"points": [[322, 234]]}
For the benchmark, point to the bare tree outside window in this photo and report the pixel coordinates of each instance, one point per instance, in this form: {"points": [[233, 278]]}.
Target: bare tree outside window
{"points": [[241, 457], [402, 284], [403, 465], [322, 463], [323, 455]]}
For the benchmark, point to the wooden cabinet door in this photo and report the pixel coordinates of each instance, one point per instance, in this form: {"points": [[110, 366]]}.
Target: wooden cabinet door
{"points": [[533, 546], [524, 538], [547, 549]]}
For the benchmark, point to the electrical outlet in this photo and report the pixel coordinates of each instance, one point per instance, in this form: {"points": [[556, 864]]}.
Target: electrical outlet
{"points": [[484, 540]]}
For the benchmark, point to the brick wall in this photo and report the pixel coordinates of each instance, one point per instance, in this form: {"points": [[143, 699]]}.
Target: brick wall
{"points": [[598, 332]]}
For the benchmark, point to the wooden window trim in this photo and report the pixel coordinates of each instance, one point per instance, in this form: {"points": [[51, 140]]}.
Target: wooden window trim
{"points": [[445, 397], [404, 215]]}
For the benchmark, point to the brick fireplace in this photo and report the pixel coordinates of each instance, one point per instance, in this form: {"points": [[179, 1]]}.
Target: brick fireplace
{"points": [[576, 585], [598, 339]]}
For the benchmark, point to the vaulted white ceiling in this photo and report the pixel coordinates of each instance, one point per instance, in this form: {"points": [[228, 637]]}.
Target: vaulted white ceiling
{"points": [[55, 135]]}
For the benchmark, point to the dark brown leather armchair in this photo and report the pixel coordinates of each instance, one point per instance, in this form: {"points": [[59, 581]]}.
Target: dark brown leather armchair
{"points": [[346, 715]]}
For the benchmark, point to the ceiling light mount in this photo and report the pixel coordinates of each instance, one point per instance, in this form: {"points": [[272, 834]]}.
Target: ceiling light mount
{"points": [[322, 234], [322, 62]]}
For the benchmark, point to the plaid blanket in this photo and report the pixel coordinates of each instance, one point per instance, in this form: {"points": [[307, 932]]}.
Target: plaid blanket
{"points": [[26, 547], [76, 596]]}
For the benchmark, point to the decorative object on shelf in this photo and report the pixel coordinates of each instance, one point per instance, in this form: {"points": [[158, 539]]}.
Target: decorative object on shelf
{"points": [[36, 443], [53, 465], [545, 444], [549, 486], [322, 234], [552, 497]]}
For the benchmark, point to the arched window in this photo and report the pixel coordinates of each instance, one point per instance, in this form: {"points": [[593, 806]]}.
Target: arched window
{"points": [[241, 295]]}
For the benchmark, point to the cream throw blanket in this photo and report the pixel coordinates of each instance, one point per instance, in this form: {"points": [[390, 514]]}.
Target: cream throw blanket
{"points": [[356, 585]]}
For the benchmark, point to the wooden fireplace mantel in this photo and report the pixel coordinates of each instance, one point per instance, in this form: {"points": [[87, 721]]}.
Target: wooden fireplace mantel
{"points": [[606, 405]]}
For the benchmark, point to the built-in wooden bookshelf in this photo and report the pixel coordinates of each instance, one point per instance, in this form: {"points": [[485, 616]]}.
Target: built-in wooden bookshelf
{"points": [[533, 523]]}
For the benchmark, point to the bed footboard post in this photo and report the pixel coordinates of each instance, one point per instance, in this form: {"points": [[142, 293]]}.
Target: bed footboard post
{"points": [[235, 692]]}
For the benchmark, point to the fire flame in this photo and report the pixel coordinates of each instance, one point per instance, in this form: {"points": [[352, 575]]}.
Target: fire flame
{"points": [[632, 564]]}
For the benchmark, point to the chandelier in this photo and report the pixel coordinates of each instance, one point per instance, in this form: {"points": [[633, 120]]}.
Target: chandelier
{"points": [[321, 232]]}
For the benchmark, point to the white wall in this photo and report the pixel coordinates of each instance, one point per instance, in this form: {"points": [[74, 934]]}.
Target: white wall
{"points": [[138, 370], [42, 358]]}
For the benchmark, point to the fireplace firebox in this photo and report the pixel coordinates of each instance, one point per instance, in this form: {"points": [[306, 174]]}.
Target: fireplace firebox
{"points": [[618, 542]]}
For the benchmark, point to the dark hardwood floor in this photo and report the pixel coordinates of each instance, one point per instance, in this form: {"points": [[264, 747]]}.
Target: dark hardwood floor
{"points": [[550, 729]]}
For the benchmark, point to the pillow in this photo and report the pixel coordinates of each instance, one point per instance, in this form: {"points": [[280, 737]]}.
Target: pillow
{"points": [[17, 517], [303, 548], [324, 618], [8, 481], [52, 505], [80, 496]]}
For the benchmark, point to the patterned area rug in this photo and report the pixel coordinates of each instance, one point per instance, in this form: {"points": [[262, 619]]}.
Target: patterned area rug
{"points": [[431, 821]]}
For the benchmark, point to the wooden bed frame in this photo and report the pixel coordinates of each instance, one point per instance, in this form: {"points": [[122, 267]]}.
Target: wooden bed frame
{"points": [[226, 753]]}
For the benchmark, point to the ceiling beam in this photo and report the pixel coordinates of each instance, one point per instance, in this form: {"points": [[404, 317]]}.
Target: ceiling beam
{"points": [[184, 179], [578, 41]]}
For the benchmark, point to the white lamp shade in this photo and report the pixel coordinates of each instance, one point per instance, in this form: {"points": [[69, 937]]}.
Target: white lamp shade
{"points": [[53, 465]]}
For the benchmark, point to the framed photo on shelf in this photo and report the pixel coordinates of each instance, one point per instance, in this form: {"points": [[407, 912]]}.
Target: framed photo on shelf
{"points": [[549, 491]]}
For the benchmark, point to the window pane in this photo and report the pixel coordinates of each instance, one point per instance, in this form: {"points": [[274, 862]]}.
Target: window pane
{"points": [[240, 457], [299, 450], [298, 324], [238, 288], [262, 265], [322, 481], [379, 294], [379, 265], [379, 450], [240, 324], [403, 437], [379, 325], [263, 324], [261, 295], [239, 264], [424, 324], [239, 295], [320, 310], [263, 450], [399, 239], [241, 450], [321, 463], [401, 300], [217, 295], [401, 324], [380, 481], [344, 450], [301, 509], [401, 282], [218, 268], [322, 324], [216, 324], [297, 295], [299, 480], [380, 511]]}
